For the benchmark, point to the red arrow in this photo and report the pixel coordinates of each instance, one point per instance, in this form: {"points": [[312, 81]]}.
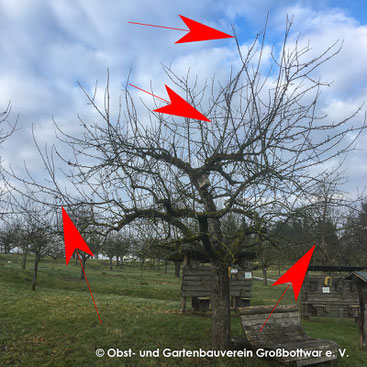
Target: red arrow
{"points": [[200, 32], [295, 275], [197, 31], [178, 106], [72, 238]]}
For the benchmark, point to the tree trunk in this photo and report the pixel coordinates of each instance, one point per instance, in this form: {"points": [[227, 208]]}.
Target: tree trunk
{"points": [[35, 271], [221, 325], [165, 267], [117, 261], [141, 271], [84, 261], [265, 276], [24, 260], [177, 268], [111, 264]]}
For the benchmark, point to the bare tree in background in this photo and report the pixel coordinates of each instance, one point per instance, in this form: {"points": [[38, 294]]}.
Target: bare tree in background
{"points": [[39, 229], [83, 218], [116, 245], [260, 157], [6, 129], [9, 237], [354, 237]]}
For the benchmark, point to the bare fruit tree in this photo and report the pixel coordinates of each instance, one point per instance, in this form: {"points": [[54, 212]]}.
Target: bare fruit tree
{"points": [[6, 129], [259, 158], [38, 231]]}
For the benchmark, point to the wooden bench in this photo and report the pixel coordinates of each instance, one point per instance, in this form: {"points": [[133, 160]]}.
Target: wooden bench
{"points": [[196, 283], [283, 330]]}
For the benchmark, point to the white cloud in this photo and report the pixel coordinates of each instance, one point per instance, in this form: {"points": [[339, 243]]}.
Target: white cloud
{"points": [[49, 46]]}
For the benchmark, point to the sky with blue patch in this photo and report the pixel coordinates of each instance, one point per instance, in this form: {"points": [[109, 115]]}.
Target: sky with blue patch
{"points": [[48, 46]]}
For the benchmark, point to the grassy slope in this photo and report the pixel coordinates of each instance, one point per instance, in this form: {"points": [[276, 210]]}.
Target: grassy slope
{"points": [[58, 326]]}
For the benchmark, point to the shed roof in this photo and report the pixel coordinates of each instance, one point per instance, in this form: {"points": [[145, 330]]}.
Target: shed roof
{"points": [[328, 268], [359, 274]]}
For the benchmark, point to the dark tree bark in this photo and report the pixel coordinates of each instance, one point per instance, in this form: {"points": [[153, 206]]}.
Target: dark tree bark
{"points": [[35, 272], [84, 262], [177, 268], [220, 307], [141, 270], [24, 259], [265, 276]]}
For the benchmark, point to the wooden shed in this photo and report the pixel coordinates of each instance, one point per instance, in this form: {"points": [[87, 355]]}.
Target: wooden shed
{"points": [[329, 296]]}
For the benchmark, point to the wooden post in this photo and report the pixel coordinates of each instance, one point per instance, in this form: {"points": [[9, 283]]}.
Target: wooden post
{"points": [[362, 290], [183, 298]]}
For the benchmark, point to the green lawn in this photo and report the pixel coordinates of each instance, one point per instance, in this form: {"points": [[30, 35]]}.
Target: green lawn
{"points": [[58, 326]]}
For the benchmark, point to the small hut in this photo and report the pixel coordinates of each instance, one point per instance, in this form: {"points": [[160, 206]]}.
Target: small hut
{"points": [[330, 294]]}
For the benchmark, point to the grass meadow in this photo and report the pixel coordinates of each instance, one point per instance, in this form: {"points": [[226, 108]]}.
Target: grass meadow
{"points": [[58, 326]]}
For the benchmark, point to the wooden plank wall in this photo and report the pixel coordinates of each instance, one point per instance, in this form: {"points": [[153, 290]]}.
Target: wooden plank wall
{"points": [[196, 282], [342, 301]]}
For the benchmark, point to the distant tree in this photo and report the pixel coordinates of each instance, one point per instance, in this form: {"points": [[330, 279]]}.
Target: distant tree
{"points": [[95, 243], [110, 249], [9, 236], [354, 238], [116, 245], [327, 219], [83, 218], [122, 246], [40, 231]]}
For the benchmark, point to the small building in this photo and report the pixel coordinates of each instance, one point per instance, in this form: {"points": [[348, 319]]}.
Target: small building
{"points": [[331, 293], [329, 296]]}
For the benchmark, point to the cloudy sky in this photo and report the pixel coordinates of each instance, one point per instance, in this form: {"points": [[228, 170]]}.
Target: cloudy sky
{"points": [[48, 46]]}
